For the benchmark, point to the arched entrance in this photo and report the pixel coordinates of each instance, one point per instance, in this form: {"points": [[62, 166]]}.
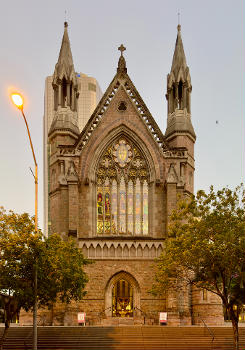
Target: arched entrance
{"points": [[122, 299], [122, 296]]}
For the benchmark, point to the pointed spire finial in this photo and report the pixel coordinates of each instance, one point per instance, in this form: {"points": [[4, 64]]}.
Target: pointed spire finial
{"points": [[122, 63], [65, 24], [179, 26]]}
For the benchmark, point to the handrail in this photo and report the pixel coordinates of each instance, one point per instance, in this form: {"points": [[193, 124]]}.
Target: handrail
{"points": [[209, 331], [102, 313], [144, 314], [108, 308], [135, 307]]}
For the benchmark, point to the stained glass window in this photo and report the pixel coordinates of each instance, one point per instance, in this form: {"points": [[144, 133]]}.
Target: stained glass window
{"points": [[130, 207], [107, 206], [114, 207], [137, 208], [122, 190], [100, 209], [122, 209], [145, 208]]}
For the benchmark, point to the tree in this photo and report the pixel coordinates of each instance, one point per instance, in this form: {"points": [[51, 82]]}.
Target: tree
{"points": [[59, 264], [205, 248]]}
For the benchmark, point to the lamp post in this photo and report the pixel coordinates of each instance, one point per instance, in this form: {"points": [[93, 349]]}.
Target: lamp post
{"points": [[19, 103]]}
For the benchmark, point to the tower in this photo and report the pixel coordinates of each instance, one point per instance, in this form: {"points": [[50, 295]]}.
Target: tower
{"points": [[65, 93], [89, 96], [179, 135]]}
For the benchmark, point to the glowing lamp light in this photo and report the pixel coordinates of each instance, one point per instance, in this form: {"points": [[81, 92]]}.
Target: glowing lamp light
{"points": [[17, 100]]}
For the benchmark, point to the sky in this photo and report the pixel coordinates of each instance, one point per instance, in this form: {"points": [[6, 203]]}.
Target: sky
{"points": [[213, 38]]}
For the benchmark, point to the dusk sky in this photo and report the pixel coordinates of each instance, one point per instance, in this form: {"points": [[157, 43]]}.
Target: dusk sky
{"points": [[213, 38]]}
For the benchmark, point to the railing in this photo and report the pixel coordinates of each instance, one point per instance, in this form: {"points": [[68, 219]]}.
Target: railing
{"points": [[211, 333], [142, 312], [102, 313], [108, 308]]}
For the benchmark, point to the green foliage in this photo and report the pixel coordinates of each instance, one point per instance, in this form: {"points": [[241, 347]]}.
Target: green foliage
{"points": [[206, 246], [60, 274]]}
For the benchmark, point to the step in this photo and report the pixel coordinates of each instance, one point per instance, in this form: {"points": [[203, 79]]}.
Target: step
{"points": [[122, 338]]}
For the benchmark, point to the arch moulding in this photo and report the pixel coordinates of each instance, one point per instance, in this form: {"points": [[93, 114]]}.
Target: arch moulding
{"points": [[88, 168], [108, 291]]}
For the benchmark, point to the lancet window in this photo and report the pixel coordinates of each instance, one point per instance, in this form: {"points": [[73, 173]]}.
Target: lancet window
{"points": [[122, 179]]}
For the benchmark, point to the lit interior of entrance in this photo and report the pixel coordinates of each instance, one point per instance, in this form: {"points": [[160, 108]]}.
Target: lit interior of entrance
{"points": [[122, 299]]}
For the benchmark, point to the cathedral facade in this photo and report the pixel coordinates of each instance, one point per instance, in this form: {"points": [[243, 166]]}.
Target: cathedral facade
{"points": [[113, 188]]}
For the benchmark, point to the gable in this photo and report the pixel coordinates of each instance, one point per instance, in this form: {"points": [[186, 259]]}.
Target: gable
{"points": [[122, 83], [116, 123]]}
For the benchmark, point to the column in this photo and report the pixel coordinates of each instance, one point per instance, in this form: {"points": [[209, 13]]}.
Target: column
{"points": [[177, 95], [68, 93], [134, 185], [184, 98], [59, 94], [72, 99], [110, 206], [126, 187], [189, 100], [118, 207], [103, 207], [141, 207]]}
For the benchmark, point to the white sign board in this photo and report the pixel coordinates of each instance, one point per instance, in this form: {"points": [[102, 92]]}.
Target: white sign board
{"points": [[81, 317], [163, 316]]}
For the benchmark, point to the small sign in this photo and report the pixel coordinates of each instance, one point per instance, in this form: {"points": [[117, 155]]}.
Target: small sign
{"points": [[163, 316], [81, 317]]}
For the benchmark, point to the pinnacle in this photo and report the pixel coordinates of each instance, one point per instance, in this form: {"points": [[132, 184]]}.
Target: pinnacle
{"points": [[179, 60], [64, 66]]}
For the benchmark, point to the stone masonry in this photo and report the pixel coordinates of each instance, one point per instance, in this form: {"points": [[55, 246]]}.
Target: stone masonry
{"points": [[83, 164]]}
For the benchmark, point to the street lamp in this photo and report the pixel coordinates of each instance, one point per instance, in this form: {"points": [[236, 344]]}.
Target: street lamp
{"points": [[19, 103]]}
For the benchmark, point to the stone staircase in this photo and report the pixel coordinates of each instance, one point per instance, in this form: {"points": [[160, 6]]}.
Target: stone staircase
{"points": [[122, 338], [126, 321]]}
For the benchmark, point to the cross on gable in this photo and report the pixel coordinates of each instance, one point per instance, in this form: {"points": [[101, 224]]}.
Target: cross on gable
{"points": [[121, 48]]}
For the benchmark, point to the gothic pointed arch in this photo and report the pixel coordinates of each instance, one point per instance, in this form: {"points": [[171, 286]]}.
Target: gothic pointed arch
{"points": [[134, 294], [123, 132], [121, 173]]}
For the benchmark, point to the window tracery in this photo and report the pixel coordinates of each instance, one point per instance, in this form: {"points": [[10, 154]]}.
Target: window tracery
{"points": [[122, 178]]}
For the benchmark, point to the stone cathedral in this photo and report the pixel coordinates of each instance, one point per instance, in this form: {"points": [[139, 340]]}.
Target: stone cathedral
{"points": [[113, 187]]}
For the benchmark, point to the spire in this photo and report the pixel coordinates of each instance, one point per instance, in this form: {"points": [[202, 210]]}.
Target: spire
{"points": [[121, 63], [179, 60], [66, 93], [179, 79], [179, 93], [64, 68]]}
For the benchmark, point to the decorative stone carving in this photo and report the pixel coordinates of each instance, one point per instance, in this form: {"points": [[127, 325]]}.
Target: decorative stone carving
{"points": [[122, 153], [71, 173], [120, 250], [172, 175]]}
